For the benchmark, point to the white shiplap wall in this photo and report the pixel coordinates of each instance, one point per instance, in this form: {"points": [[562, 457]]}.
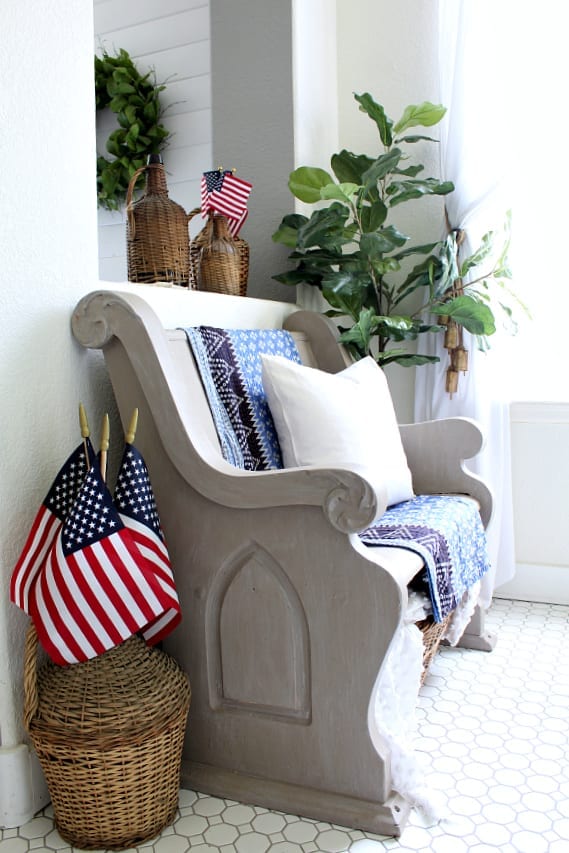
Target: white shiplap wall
{"points": [[173, 38]]}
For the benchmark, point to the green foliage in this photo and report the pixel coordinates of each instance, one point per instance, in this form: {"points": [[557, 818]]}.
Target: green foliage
{"points": [[469, 313], [350, 250], [134, 98]]}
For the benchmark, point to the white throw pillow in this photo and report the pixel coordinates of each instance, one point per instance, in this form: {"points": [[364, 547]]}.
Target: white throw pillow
{"points": [[338, 420]]}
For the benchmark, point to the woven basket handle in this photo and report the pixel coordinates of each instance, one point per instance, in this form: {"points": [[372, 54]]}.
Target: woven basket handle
{"points": [[193, 213], [31, 699], [129, 192]]}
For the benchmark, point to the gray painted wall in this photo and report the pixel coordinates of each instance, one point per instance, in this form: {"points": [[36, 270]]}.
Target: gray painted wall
{"points": [[253, 123]]}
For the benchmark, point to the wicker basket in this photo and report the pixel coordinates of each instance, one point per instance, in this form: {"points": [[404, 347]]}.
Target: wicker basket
{"points": [[109, 734], [157, 239], [432, 635], [222, 272]]}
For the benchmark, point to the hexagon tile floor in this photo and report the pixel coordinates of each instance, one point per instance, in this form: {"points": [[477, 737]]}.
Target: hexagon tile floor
{"points": [[493, 738]]}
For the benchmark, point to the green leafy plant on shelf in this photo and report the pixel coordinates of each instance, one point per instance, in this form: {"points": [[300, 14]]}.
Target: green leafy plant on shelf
{"points": [[353, 253], [135, 100]]}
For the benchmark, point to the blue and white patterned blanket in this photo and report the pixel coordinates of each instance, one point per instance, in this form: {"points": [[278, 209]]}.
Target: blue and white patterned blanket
{"points": [[445, 530], [229, 362]]}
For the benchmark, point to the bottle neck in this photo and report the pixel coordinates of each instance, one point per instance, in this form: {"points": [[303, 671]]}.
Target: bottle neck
{"points": [[156, 179], [220, 228]]}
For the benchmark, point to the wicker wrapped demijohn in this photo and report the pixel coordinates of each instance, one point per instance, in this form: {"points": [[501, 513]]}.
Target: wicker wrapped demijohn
{"points": [[109, 735], [158, 245], [219, 262]]}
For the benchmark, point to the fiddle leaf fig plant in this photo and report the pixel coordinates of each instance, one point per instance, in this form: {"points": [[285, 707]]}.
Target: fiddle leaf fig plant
{"points": [[351, 250]]}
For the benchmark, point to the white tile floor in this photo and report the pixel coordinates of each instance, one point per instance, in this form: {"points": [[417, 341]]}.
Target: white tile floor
{"points": [[493, 738]]}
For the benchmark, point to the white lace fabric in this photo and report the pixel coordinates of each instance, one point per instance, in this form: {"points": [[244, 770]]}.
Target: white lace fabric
{"points": [[392, 720]]}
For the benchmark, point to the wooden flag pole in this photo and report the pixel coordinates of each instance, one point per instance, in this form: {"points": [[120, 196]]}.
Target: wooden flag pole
{"points": [[132, 427], [105, 434], [85, 431]]}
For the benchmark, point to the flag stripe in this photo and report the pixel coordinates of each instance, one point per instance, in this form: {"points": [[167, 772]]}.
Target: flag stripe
{"points": [[68, 576], [40, 540], [235, 224], [141, 584], [122, 609], [163, 574], [157, 560], [89, 642], [70, 643], [228, 202], [89, 610], [101, 596], [49, 637], [51, 516], [155, 551], [162, 626], [141, 533]]}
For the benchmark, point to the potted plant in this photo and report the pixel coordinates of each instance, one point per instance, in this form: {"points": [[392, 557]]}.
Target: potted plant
{"points": [[352, 251]]}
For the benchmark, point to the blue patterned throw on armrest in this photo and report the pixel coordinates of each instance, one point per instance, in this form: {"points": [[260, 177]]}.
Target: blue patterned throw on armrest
{"points": [[447, 532], [229, 362]]}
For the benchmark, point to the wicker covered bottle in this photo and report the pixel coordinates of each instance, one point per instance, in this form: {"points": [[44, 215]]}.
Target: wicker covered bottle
{"points": [[158, 245], [204, 278], [219, 266]]}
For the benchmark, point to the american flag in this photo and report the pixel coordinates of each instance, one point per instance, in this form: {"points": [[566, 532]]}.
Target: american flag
{"points": [[96, 588], [135, 502], [210, 182], [228, 196], [48, 522]]}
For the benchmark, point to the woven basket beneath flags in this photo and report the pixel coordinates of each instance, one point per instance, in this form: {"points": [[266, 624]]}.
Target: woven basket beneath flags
{"points": [[109, 734]]}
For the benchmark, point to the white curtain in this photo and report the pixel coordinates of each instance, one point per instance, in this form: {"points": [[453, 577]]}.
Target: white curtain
{"points": [[474, 86]]}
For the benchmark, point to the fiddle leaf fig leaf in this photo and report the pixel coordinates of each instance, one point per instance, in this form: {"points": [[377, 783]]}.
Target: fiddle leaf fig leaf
{"points": [[381, 167], [342, 192], [350, 167], [424, 249], [376, 112], [287, 232], [424, 115], [292, 277], [325, 228], [306, 182], [410, 171], [346, 292], [420, 276], [360, 333], [346, 284], [379, 242], [396, 323], [407, 190], [406, 359], [415, 138], [298, 276], [373, 216]]}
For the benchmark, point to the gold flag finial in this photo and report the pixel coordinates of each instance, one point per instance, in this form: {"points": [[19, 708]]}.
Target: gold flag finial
{"points": [[105, 435], [131, 432], [85, 432]]}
